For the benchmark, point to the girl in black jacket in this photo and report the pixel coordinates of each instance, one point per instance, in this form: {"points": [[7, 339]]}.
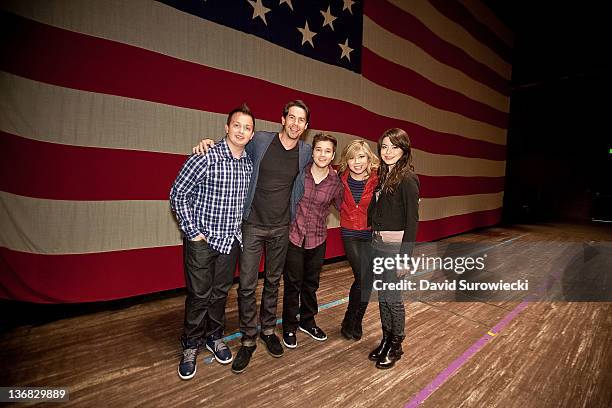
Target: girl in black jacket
{"points": [[393, 215]]}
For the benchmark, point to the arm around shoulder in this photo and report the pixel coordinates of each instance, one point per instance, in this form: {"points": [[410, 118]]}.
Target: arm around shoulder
{"points": [[202, 147]]}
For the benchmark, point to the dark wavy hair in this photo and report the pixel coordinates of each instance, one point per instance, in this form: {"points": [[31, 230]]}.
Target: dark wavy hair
{"points": [[390, 179]]}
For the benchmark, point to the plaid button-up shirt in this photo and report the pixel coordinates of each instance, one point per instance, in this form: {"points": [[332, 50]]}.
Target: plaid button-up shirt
{"points": [[208, 196], [310, 224]]}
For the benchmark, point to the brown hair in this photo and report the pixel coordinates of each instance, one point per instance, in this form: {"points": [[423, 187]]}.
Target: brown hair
{"points": [[351, 149], [300, 104], [390, 179], [324, 137], [241, 109]]}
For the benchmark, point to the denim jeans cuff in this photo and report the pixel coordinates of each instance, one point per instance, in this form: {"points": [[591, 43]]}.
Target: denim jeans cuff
{"points": [[248, 341], [268, 331]]}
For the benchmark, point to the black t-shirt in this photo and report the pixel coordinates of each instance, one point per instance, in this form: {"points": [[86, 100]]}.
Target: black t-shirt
{"points": [[277, 172]]}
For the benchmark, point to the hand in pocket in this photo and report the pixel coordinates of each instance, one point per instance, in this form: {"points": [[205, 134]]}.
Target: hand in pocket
{"points": [[199, 238]]}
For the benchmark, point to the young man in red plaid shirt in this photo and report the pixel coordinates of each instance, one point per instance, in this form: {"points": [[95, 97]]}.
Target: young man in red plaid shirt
{"points": [[307, 237]]}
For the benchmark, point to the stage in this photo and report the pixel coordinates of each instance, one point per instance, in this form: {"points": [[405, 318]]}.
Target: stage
{"points": [[544, 349]]}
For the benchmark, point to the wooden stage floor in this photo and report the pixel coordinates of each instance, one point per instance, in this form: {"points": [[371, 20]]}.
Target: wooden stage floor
{"points": [[492, 353]]}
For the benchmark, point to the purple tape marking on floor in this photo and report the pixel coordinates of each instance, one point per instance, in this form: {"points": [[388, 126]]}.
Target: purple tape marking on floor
{"points": [[455, 365]]}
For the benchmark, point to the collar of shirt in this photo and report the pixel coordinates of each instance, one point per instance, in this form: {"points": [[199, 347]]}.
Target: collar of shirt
{"points": [[327, 178], [225, 150]]}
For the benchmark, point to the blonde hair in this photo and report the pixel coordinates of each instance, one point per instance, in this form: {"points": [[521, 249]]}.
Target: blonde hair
{"points": [[351, 149]]}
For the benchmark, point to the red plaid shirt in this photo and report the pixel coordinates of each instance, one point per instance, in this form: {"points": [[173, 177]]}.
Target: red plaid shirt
{"points": [[310, 224]]}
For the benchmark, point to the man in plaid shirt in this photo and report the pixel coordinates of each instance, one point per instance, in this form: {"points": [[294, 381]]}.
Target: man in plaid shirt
{"points": [[208, 199]]}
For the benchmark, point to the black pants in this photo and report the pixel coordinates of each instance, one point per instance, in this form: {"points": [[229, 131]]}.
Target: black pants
{"points": [[208, 277], [359, 255], [254, 238], [301, 279], [390, 302]]}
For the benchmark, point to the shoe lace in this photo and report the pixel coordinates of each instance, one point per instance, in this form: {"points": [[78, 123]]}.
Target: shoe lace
{"points": [[220, 345], [189, 355]]}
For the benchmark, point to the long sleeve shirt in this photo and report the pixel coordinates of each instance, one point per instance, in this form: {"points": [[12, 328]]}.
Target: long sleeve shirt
{"points": [[310, 225], [208, 196]]}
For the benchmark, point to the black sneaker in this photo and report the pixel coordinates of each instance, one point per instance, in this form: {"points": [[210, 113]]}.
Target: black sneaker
{"points": [[315, 332], [243, 357], [289, 339], [272, 344], [187, 366]]}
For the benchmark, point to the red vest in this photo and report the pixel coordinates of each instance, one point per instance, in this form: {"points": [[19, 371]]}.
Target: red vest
{"points": [[355, 216]]}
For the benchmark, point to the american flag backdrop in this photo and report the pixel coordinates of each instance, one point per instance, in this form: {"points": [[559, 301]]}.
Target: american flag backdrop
{"points": [[101, 102]]}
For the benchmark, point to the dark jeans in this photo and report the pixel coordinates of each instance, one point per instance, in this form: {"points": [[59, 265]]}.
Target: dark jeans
{"points": [[359, 255], [208, 278], [301, 279], [254, 239], [390, 302]]}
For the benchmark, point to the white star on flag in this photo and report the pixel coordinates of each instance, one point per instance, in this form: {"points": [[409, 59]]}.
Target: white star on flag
{"points": [[259, 10], [288, 2], [346, 50], [307, 35], [347, 5], [329, 18]]}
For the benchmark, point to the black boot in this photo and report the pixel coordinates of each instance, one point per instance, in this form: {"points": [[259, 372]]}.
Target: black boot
{"points": [[375, 354], [357, 329], [390, 353], [348, 323]]}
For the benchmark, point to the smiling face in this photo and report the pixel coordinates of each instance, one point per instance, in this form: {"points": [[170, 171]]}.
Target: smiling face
{"points": [[295, 123], [389, 152], [323, 153], [240, 130], [358, 164]]}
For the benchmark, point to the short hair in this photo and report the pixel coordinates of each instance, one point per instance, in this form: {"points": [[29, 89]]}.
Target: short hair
{"points": [[324, 137], [351, 149], [300, 104], [244, 109]]}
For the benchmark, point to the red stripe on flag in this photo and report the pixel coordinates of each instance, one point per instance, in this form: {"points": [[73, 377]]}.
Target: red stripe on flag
{"points": [[405, 25], [445, 186], [457, 12], [89, 277], [101, 276], [444, 227], [63, 172], [385, 73], [60, 57]]}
